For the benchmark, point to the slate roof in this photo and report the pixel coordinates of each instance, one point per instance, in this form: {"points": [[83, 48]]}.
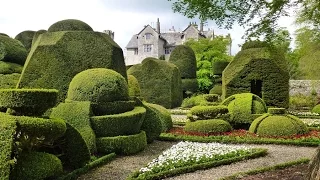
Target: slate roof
{"points": [[133, 43], [172, 38]]}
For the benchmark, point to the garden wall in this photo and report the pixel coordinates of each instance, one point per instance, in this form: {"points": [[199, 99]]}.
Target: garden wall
{"points": [[304, 87]]}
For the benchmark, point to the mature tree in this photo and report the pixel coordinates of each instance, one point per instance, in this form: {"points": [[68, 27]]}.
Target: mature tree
{"points": [[208, 51]]}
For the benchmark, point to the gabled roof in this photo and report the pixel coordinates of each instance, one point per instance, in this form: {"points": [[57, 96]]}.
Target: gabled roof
{"points": [[145, 28], [173, 38], [133, 43]]}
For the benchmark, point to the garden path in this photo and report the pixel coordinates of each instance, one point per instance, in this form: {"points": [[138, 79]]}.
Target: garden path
{"points": [[121, 167]]}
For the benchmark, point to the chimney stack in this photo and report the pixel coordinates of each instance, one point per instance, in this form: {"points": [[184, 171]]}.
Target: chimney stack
{"points": [[158, 26]]}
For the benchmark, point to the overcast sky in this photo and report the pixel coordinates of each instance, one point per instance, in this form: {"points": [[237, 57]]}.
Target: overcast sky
{"points": [[124, 17]]}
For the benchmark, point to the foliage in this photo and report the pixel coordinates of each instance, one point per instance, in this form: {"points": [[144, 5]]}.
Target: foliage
{"points": [[12, 50], [208, 51], [69, 25], [300, 101], [209, 112], [160, 82], [217, 89], [25, 37], [152, 124], [126, 145], [211, 97], [219, 66], [37, 34], [57, 57], [164, 114], [316, 109], [196, 100], [9, 80], [114, 107], [134, 87], [208, 126], [127, 123], [36, 166], [276, 110], [9, 68]]}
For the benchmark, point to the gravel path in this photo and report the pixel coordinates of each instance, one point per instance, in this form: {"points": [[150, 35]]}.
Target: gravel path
{"points": [[121, 167]]}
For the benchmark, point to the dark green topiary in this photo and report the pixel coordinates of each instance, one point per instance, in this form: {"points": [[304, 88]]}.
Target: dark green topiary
{"points": [[9, 80], [9, 68], [211, 97], [242, 107], [262, 71], [184, 58], [127, 123], [217, 89], [25, 37], [69, 25], [7, 135], [254, 44], [36, 166], [316, 109], [278, 125], [209, 112], [12, 50], [28, 101], [81, 140], [189, 86], [164, 114], [114, 107], [36, 35], [159, 81], [126, 145], [97, 86], [219, 66], [208, 126], [151, 124], [57, 57], [3, 34], [134, 87]]}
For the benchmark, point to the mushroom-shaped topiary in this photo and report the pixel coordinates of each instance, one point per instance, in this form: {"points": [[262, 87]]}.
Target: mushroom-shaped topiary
{"points": [[69, 25], [278, 124], [242, 108]]}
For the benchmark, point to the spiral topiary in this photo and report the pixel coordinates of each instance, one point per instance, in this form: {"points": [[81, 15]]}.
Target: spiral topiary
{"points": [[69, 25]]}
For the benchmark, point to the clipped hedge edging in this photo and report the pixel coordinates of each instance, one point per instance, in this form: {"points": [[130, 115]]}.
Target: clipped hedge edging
{"points": [[209, 112], [115, 107], [208, 126], [260, 152]]}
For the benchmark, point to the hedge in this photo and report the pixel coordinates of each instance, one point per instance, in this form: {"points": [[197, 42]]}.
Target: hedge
{"points": [[7, 136], [211, 97], [208, 126], [126, 145], [127, 123], [263, 67], [81, 139], [9, 68], [69, 25], [36, 35], [189, 86], [254, 44], [9, 80], [25, 37], [115, 107], [184, 58], [28, 101], [209, 112], [36, 166], [160, 82], [12, 50], [164, 114], [57, 57], [217, 89], [134, 87], [276, 110], [152, 123], [219, 66]]}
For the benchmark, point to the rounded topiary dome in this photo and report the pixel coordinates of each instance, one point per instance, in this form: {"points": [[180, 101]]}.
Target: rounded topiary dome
{"points": [[254, 44], [134, 87], [278, 125], [98, 85], [69, 25], [184, 58]]}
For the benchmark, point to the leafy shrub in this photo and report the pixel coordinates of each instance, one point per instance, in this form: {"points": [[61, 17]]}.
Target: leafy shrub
{"points": [[152, 124], [160, 82], [25, 37], [69, 25], [134, 87], [316, 109], [12, 50], [209, 112], [36, 166], [115, 107], [126, 145], [98, 86], [28, 101], [57, 57], [127, 123], [217, 89], [9, 68], [276, 110], [165, 116], [80, 138], [301, 101], [208, 126]]}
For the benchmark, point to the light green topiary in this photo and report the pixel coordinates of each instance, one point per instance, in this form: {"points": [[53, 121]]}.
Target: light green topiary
{"points": [[134, 87], [316, 109], [36, 35], [69, 25], [209, 112], [9, 68], [217, 89], [208, 126]]}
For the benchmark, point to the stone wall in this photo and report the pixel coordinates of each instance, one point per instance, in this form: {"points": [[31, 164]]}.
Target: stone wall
{"points": [[304, 87]]}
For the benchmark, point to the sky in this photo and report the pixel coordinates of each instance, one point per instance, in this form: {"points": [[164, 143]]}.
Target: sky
{"points": [[124, 17]]}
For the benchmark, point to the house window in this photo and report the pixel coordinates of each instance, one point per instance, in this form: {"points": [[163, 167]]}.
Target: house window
{"points": [[136, 51], [147, 47], [148, 35], [167, 50]]}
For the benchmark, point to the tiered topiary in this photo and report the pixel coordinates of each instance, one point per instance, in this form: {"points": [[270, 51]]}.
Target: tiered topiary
{"points": [[184, 58], [25, 37], [134, 87], [68, 48], [244, 108], [159, 81], [277, 123], [217, 68], [260, 70]]}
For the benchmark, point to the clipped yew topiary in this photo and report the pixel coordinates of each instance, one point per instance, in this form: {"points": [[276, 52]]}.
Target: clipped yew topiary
{"points": [[316, 109], [242, 108], [37, 166], [208, 126], [36, 35], [152, 124], [134, 87], [56, 57], [9, 80], [12, 50], [219, 66], [254, 44], [25, 37], [217, 89], [9, 68], [69, 25], [3, 34], [209, 112], [164, 114], [160, 82], [261, 71]]}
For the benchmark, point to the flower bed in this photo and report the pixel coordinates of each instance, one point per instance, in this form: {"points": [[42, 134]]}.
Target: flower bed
{"points": [[190, 156]]}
